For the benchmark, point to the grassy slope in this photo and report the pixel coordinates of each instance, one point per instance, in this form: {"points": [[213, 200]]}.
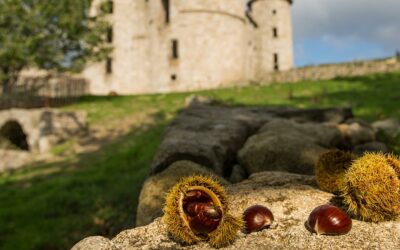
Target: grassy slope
{"points": [[51, 206]]}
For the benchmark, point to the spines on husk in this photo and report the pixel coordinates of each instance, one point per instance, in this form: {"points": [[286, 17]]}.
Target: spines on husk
{"points": [[225, 234], [330, 169], [372, 187]]}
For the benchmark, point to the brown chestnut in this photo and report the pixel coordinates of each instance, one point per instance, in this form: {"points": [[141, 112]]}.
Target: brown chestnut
{"points": [[257, 218], [203, 216], [330, 220], [206, 217]]}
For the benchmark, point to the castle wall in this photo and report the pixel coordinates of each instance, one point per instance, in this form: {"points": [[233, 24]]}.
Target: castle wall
{"points": [[213, 42], [131, 67], [95, 73], [270, 15]]}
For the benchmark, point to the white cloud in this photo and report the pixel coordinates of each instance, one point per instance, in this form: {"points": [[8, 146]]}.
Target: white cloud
{"points": [[338, 21]]}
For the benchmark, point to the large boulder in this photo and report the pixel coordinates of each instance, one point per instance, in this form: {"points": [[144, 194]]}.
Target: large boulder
{"points": [[389, 126], [356, 132], [270, 151], [208, 136], [284, 145], [211, 135], [322, 134], [291, 198], [152, 195]]}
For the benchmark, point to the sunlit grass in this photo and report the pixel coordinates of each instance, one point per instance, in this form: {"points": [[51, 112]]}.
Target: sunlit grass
{"points": [[53, 205]]}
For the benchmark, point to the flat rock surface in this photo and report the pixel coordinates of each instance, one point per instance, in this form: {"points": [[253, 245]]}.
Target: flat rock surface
{"points": [[291, 198]]}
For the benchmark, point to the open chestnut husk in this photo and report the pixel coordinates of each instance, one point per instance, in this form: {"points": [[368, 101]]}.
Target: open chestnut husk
{"points": [[256, 218], [330, 220], [197, 209]]}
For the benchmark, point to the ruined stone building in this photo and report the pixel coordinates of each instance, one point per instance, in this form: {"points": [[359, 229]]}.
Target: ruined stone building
{"points": [[184, 45]]}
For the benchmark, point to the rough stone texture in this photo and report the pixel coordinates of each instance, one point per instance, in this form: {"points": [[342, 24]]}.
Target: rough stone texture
{"points": [[291, 152], [357, 133], [291, 198], [286, 145], [44, 127], [12, 159], [390, 126], [207, 135], [94, 243], [238, 174], [323, 135], [331, 71], [152, 195], [211, 135]]}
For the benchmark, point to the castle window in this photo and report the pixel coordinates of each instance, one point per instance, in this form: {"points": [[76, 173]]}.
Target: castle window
{"points": [[175, 49], [274, 12], [173, 77], [110, 34], [166, 7], [108, 65], [275, 32], [276, 62]]}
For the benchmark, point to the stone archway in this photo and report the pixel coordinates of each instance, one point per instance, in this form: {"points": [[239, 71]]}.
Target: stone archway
{"points": [[13, 136]]}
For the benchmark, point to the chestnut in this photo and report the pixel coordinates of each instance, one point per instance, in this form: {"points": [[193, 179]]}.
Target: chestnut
{"points": [[257, 218], [330, 220], [205, 218]]}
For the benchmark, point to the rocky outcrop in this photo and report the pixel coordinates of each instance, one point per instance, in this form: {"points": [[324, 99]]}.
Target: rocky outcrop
{"points": [[286, 145], [291, 198], [210, 135], [389, 126]]}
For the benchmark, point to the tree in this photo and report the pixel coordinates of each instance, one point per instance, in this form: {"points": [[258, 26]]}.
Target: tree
{"points": [[52, 35]]}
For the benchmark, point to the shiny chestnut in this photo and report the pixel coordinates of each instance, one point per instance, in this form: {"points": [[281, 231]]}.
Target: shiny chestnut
{"points": [[203, 216], [330, 220], [257, 218]]}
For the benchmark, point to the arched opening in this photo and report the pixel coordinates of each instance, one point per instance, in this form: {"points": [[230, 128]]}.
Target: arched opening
{"points": [[12, 136]]}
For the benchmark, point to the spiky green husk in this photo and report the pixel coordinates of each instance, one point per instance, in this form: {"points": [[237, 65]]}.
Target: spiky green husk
{"points": [[226, 232], [331, 168], [179, 228], [372, 187]]}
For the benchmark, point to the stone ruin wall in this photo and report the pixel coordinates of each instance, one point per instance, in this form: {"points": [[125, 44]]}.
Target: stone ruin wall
{"points": [[331, 71], [40, 128]]}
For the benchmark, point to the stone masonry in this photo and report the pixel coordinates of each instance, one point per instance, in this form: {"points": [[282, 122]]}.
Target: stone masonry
{"points": [[185, 45], [23, 132]]}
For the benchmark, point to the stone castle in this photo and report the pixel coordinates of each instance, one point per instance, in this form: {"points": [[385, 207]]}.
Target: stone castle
{"points": [[185, 45]]}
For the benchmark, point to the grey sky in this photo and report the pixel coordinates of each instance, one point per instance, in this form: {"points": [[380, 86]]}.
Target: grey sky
{"points": [[342, 21]]}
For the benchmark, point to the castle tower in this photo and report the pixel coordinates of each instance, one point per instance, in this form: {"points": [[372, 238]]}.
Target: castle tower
{"points": [[131, 67], [211, 36], [272, 34]]}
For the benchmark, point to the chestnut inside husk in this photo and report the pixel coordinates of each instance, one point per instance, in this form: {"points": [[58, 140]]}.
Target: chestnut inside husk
{"points": [[201, 213]]}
